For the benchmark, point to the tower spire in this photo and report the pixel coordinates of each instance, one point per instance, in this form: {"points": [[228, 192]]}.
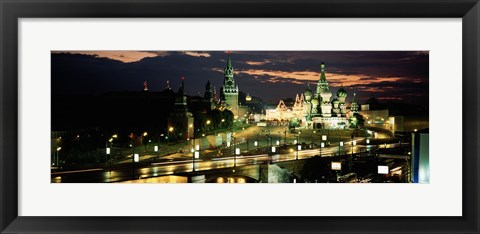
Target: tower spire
{"points": [[208, 90], [214, 94], [354, 106], [183, 85], [323, 78], [145, 86], [228, 72], [229, 92], [181, 90], [322, 82], [229, 62]]}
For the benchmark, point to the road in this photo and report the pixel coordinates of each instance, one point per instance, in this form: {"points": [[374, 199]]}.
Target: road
{"points": [[130, 171], [181, 162]]}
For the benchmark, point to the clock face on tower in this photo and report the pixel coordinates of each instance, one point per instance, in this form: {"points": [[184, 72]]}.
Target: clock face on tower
{"points": [[229, 83]]}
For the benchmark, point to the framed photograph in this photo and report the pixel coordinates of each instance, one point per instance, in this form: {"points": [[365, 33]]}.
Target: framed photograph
{"points": [[224, 116]]}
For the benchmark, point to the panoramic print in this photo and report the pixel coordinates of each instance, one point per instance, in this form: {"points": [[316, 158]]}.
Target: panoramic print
{"points": [[240, 117]]}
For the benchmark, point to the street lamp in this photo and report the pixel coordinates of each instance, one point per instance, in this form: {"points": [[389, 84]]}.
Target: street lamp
{"points": [[196, 155], [299, 147], [237, 152], [108, 149], [351, 156], [170, 129], [207, 123], [145, 134], [155, 149], [273, 151], [354, 143], [190, 128], [107, 154], [58, 155], [322, 144], [136, 158]]}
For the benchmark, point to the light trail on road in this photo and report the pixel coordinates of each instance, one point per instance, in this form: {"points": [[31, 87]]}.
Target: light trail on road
{"points": [[135, 171], [77, 171]]}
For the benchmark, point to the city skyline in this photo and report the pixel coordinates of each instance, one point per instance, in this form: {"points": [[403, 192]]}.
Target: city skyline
{"points": [[151, 134], [400, 76]]}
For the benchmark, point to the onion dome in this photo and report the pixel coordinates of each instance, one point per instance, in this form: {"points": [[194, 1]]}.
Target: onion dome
{"points": [[341, 92], [315, 101], [308, 94], [335, 101], [326, 94]]}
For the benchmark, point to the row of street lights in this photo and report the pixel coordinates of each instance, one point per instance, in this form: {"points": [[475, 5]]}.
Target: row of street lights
{"points": [[237, 152]]}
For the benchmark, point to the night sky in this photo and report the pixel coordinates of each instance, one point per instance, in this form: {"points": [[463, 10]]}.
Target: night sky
{"points": [[400, 76]]}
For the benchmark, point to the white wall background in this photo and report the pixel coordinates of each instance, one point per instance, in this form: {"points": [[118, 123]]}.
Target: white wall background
{"points": [[37, 197]]}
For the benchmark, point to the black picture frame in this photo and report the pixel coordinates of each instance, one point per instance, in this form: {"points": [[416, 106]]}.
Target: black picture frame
{"points": [[11, 11]]}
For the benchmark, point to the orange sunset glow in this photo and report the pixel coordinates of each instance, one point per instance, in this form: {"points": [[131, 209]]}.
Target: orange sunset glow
{"points": [[387, 75]]}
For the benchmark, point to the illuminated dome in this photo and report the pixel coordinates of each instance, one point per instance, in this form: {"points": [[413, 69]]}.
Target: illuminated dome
{"points": [[248, 98], [326, 94], [315, 101], [341, 93], [335, 101], [308, 94]]}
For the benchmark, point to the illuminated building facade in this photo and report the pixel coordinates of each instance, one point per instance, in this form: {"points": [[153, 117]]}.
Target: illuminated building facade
{"points": [[283, 113], [180, 118], [229, 89], [317, 110], [321, 111], [229, 93]]}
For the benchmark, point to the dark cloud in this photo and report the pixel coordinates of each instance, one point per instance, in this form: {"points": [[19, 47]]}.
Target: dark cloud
{"points": [[271, 75]]}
